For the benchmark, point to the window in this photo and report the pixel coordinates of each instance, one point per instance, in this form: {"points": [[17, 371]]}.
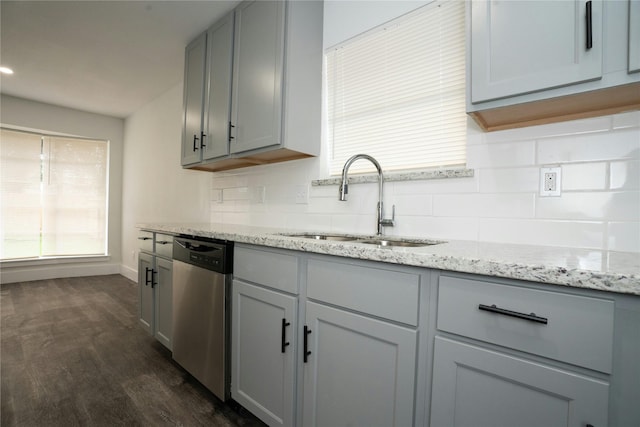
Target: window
{"points": [[397, 92], [53, 195]]}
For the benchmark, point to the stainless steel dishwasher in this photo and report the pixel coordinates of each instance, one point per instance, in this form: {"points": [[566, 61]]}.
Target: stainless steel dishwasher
{"points": [[201, 317]]}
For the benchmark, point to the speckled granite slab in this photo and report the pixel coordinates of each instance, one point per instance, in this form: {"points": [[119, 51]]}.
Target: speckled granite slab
{"points": [[582, 268]]}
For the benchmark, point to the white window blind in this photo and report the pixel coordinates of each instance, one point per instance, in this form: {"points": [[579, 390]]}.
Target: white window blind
{"points": [[53, 195], [398, 92]]}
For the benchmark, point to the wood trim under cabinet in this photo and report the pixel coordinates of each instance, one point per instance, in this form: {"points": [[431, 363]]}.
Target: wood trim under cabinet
{"points": [[572, 107], [274, 156]]}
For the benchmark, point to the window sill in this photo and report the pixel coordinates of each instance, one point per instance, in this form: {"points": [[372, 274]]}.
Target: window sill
{"points": [[401, 176], [26, 262]]}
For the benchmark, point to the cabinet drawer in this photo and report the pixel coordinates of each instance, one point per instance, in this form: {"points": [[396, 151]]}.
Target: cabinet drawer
{"points": [[268, 268], [164, 245], [145, 241], [385, 293], [578, 330]]}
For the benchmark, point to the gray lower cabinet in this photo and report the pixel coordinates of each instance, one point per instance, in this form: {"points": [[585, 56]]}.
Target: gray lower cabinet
{"points": [[145, 292], [520, 353], [359, 371], [474, 386], [264, 324], [264, 331], [155, 286]]}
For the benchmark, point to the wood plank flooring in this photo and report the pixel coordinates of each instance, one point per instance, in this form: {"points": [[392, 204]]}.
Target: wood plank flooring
{"points": [[72, 354]]}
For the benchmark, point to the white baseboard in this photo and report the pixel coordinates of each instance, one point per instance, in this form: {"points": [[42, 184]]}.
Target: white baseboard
{"points": [[52, 271], [129, 273]]}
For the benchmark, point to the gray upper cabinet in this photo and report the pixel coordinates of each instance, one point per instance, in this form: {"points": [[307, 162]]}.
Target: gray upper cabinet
{"points": [[194, 84], [634, 36], [218, 104], [536, 62], [263, 87], [257, 92], [527, 46]]}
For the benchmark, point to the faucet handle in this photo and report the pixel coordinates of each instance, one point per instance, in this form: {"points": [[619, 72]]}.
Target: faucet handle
{"points": [[392, 221]]}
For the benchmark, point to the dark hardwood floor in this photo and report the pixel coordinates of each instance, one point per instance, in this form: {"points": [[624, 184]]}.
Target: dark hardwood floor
{"points": [[72, 353]]}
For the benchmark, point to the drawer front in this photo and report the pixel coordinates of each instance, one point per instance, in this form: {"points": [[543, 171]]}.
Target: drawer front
{"points": [[578, 330], [164, 245], [268, 268], [388, 294], [145, 240]]}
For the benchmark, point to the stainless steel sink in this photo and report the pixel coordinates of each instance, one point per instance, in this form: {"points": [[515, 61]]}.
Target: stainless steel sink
{"points": [[367, 240], [383, 243], [334, 237]]}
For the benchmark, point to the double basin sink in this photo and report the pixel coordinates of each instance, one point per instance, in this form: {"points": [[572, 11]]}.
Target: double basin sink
{"points": [[379, 241]]}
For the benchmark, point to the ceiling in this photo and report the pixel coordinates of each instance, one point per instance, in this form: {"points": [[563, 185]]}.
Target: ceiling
{"points": [[107, 57]]}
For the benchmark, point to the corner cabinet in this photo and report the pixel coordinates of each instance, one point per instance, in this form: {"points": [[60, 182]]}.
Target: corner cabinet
{"points": [[261, 90], [155, 285], [534, 62]]}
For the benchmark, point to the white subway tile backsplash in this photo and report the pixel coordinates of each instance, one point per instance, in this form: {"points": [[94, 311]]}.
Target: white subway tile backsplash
{"points": [[506, 205], [578, 234], [625, 175], [614, 145], [625, 120], [615, 206], [584, 176], [435, 227], [597, 124], [521, 153], [414, 205], [599, 207], [509, 180], [624, 236]]}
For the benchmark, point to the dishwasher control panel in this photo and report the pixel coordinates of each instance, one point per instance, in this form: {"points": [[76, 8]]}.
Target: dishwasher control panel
{"points": [[210, 254]]}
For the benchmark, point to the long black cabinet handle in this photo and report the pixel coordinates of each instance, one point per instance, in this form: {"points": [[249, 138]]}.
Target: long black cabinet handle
{"points": [[202, 136], [153, 281], [530, 317], [195, 141], [589, 19], [146, 276], [144, 238], [164, 242], [306, 352], [229, 132], [283, 342]]}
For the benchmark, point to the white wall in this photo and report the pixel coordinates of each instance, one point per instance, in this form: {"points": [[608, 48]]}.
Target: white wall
{"points": [[22, 113], [155, 187]]}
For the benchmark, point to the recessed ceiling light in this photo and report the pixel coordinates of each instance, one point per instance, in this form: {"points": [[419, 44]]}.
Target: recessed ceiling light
{"points": [[5, 70]]}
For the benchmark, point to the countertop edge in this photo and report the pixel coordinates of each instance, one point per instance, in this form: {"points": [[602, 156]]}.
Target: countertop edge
{"points": [[535, 272]]}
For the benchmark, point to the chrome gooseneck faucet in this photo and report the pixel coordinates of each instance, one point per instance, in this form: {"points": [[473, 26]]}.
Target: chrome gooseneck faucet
{"points": [[344, 190]]}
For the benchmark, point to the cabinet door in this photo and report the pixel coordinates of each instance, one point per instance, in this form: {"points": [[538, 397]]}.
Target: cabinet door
{"points": [[257, 75], [218, 105], [145, 292], [526, 46], [473, 386], [360, 371], [263, 368], [163, 289], [634, 36], [194, 78]]}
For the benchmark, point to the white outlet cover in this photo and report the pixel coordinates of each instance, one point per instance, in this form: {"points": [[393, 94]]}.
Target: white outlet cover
{"points": [[557, 170]]}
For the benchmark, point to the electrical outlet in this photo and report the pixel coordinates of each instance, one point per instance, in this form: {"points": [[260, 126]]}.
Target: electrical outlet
{"points": [[550, 182], [302, 194]]}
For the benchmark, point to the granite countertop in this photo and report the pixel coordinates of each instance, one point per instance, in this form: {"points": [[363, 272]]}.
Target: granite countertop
{"points": [[581, 268]]}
